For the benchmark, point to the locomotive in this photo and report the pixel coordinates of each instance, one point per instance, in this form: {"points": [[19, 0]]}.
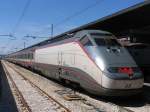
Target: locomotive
{"points": [[92, 59]]}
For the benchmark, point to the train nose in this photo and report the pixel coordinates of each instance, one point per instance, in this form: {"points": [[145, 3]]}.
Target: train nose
{"points": [[124, 73], [122, 84], [123, 78]]}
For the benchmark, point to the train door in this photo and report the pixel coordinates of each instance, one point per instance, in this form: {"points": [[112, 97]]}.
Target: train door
{"points": [[59, 62], [31, 59], [59, 59]]}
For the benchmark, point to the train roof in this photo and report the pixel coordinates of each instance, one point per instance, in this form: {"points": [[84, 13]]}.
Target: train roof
{"points": [[84, 32], [66, 36]]}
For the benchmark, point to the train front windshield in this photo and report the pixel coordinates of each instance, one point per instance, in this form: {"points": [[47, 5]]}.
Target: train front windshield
{"points": [[105, 40]]}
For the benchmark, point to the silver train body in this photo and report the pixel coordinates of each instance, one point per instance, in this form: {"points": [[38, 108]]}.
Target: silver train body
{"points": [[92, 59]]}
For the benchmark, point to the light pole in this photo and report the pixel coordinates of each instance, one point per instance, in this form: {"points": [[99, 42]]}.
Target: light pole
{"points": [[52, 30]]}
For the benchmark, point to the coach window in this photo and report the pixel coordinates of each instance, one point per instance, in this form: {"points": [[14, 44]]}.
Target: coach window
{"points": [[25, 56], [85, 41], [29, 56], [32, 55]]}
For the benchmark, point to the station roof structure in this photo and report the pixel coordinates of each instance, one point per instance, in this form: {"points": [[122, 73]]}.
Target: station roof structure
{"points": [[132, 18], [137, 16]]}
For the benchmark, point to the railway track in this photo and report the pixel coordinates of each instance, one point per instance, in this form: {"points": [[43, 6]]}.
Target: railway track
{"points": [[91, 104], [25, 107]]}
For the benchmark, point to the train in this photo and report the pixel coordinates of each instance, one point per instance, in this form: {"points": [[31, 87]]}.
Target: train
{"points": [[91, 59]]}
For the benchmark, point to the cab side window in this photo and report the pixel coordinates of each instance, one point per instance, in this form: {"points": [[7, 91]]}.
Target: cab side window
{"points": [[85, 41]]}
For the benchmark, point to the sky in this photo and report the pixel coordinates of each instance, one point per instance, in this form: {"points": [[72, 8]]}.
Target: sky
{"points": [[35, 17]]}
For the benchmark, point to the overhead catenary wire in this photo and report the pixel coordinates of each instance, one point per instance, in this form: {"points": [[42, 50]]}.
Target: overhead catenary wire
{"points": [[16, 26], [70, 17], [61, 22], [78, 13], [21, 16]]}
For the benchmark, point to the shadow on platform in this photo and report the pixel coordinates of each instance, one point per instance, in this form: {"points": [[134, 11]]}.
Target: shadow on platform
{"points": [[129, 101], [135, 101], [132, 101], [7, 102]]}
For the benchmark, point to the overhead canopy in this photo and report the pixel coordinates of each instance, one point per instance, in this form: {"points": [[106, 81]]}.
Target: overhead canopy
{"points": [[135, 17]]}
